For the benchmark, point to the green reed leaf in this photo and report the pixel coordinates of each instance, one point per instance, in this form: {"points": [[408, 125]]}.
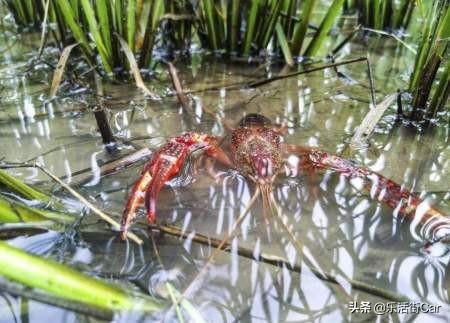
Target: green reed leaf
{"points": [[67, 283]]}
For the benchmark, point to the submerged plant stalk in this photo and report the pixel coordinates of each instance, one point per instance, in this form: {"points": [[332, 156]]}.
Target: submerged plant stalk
{"points": [[432, 52], [65, 282], [23, 189]]}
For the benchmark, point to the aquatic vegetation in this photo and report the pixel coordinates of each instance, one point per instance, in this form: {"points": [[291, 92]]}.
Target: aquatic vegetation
{"points": [[13, 211], [245, 28], [221, 24], [382, 14], [47, 275], [27, 13], [430, 80], [95, 24], [319, 37], [26, 191], [61, 281], [241, 28], [103, 20], [178, 27], [67, 283]]}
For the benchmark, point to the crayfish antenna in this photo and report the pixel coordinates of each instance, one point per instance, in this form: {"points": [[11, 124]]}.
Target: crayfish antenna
{"points": [[266, 190], [268, 208]]}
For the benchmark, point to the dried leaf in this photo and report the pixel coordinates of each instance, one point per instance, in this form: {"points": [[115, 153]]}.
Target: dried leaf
{"points": [[57, 76]]}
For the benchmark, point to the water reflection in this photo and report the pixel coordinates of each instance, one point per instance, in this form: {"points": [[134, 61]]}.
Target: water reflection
{"points": [[342, 232]]}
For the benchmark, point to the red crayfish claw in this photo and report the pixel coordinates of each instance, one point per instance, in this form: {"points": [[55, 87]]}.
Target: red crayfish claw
{"points": [[165, 165]]}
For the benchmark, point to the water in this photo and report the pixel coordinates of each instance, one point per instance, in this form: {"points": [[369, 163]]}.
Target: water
{"points": [[341, 231]]}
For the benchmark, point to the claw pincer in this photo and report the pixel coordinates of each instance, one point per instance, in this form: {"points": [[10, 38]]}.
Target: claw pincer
{"points": [[165, 165]]}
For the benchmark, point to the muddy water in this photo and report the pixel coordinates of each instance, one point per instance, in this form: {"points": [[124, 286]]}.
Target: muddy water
{"points": [[332, 229]]}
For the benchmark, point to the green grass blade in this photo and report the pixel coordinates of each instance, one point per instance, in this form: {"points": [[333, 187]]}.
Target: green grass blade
{"points": [[30, 11], [69, 17], [94, 29], [64, 30], [251, 24], [375, 13], [324, 28], [284, 45], [349, 5], [292, 12], [209, 14], [367, 10], [103, 17], [234, 25], [156, 11], [21, 188], [11, 214], [300, 29], [423, 50], [131, 24], [76, 8], [188, 307], [16, 212], [67, 283], [221, 22], [139, 8], [118, 17], [431, 30], [381, 14], [443, 33], [18, 11], [116, 8], [27, 17], [442, 92], [401, 13], [171, 292], [275, 14]]}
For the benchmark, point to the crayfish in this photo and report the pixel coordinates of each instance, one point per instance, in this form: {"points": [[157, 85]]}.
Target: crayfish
{"points": [[258, 152]]}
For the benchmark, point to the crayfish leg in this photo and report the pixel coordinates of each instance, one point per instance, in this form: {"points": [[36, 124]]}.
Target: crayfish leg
{"points": [[164, 166], [218, 154], [135, 199], [165, 169], [168, 166], [381, 188]]}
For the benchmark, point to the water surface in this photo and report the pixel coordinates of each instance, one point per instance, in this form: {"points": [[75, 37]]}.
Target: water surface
{"points": [[341, 230]]}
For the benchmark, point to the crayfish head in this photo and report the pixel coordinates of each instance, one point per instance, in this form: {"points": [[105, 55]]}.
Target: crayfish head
{"points": [[263, 159], [256, 151]]}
